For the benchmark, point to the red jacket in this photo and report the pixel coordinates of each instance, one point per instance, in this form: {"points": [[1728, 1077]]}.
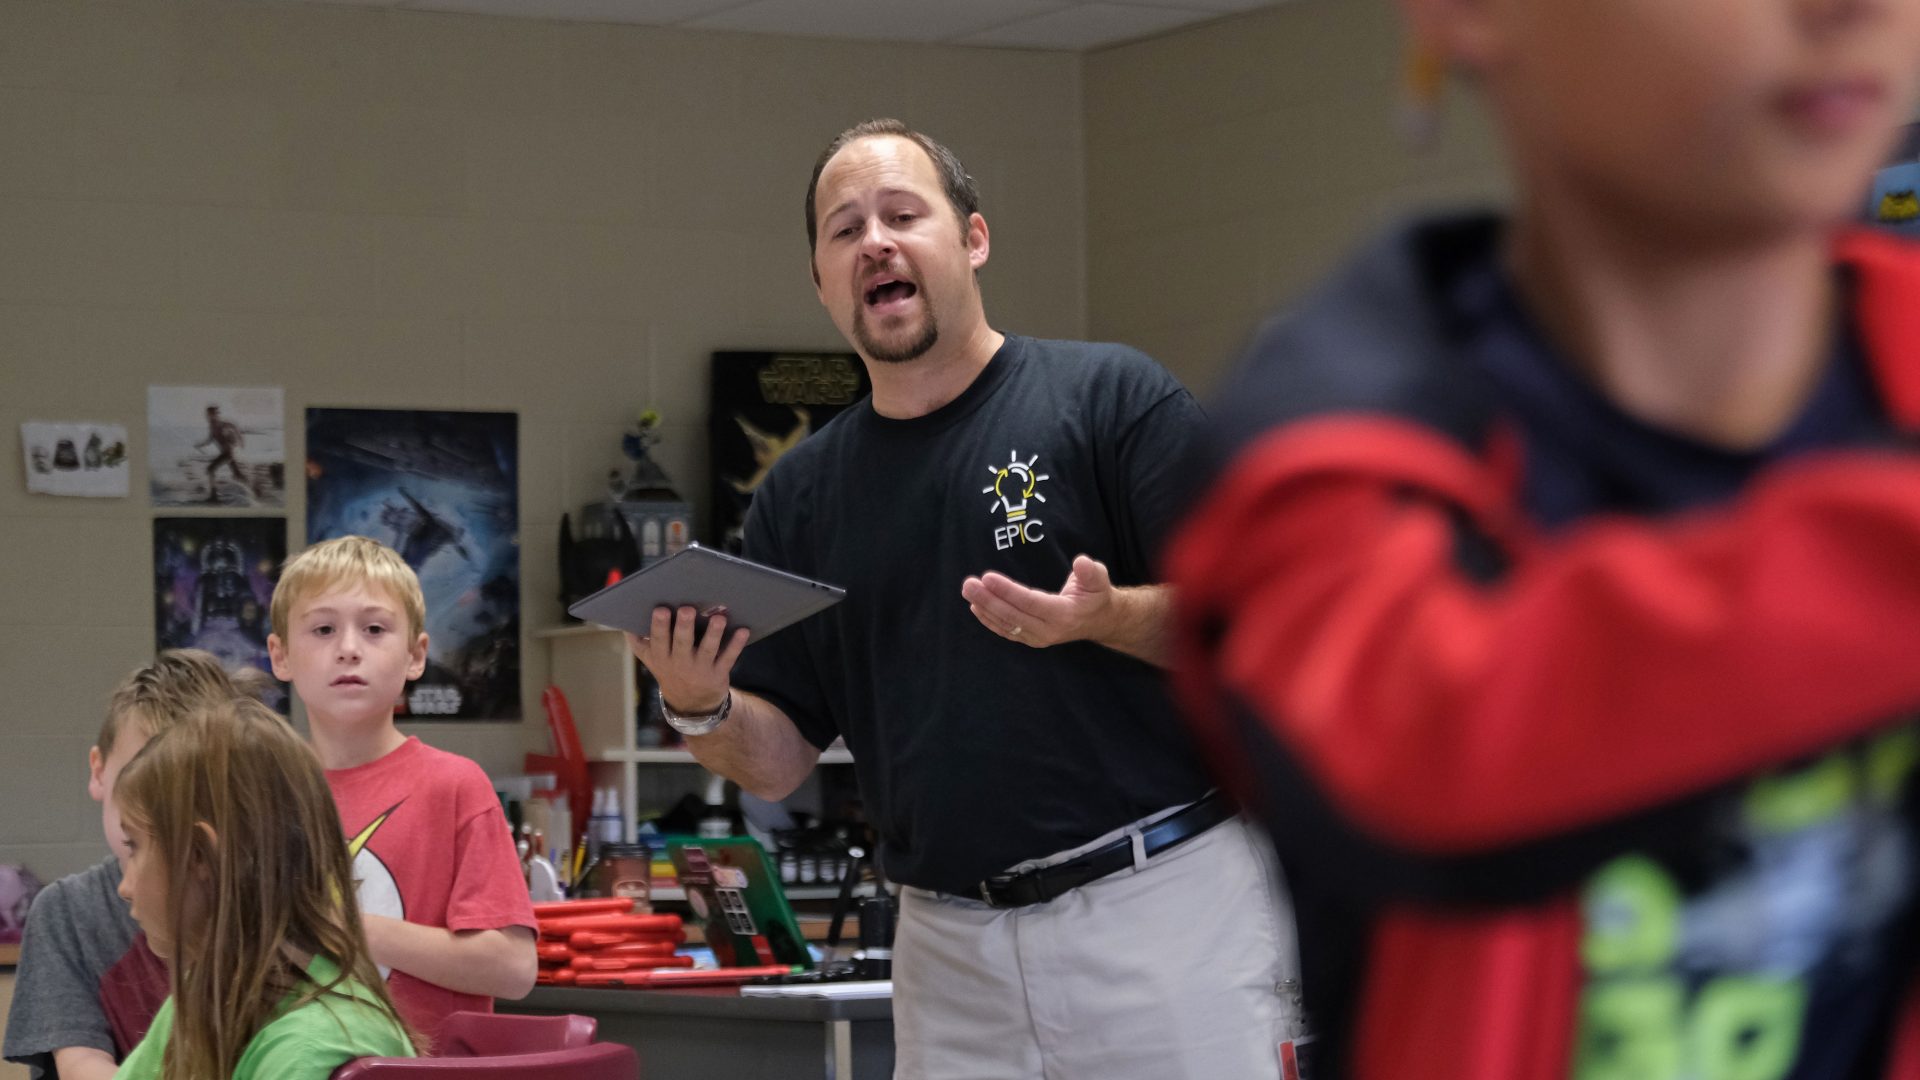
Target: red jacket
{"points": [[1421, 691]]}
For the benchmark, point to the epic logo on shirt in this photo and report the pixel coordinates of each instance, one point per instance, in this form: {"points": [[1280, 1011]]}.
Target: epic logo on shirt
{"points": [[1015, 484]]}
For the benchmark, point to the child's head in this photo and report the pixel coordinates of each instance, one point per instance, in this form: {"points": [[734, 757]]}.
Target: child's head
{"points": [[1722, 120], [345, 564], [238, 874], [178, 683], [348, 621]]}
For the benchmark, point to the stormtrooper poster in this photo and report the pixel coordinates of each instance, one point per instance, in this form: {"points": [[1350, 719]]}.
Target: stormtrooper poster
{"points": [[212, 581], [216, 446], [442, 489]]}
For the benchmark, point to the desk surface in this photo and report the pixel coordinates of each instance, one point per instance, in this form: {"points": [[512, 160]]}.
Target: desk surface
{"points": [[699, 1033], [722, 1002]]}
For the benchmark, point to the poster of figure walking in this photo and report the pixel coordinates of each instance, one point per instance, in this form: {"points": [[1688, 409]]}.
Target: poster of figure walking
{"points": [[442, 488], [216, 446], [212, 583]]}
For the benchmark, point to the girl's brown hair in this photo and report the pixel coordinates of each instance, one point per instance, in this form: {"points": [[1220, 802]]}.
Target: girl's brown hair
{"points": [[237, 814]]}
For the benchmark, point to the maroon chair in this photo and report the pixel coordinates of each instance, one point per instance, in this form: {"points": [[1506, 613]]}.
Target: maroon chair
{"points": [[599, 1061], [478, 1034], [495, 1046]]}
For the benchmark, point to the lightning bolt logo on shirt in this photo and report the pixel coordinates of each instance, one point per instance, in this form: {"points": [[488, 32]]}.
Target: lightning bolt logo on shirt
{"points": [[374, 886]]}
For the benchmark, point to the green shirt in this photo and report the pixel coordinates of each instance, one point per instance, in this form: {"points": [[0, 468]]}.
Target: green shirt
{"points": [[306, 1043]]}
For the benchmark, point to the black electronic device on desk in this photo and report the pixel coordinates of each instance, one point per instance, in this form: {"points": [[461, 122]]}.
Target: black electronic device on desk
{"points": [[711, 582]]}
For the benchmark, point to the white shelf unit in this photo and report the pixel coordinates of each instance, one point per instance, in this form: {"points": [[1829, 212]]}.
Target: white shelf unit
{"points": [[594, 669]]}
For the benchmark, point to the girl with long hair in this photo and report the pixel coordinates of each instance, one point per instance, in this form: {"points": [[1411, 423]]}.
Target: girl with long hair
{"points": [[239, 875]]}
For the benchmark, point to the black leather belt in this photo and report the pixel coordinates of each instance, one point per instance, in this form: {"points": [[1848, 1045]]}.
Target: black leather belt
{"points": [[1039, 885]]}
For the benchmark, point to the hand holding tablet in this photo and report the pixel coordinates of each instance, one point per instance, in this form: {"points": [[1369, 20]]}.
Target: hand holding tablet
{"points": [[752, 596]]}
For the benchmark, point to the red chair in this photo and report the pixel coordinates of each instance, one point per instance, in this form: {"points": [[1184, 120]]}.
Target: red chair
{"points": [[495, 1046], [468, 1034], [568, 764], [600, 1061]]}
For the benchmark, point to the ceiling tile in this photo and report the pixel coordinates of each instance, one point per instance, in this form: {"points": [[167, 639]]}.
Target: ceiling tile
{"points": [[1085, 26], [1033, 24], [875, 20], [1218, 7], [647, 12]]}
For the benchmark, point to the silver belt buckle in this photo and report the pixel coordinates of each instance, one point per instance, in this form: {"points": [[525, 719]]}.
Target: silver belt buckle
{"points": [[986, 889]]}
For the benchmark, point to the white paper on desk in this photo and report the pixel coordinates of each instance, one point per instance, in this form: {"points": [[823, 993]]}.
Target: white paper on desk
{"points": [[880, 989]]}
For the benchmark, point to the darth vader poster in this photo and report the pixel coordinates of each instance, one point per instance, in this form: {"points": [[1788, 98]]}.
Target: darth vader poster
{"points": [[442, 489], [212, 581]]}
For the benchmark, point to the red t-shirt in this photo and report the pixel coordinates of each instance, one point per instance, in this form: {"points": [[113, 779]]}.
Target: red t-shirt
{"points": [[131, 992], [430, 846]]}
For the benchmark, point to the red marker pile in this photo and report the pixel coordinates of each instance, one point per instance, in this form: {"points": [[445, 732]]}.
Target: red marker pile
{"points": [[603, 943]]}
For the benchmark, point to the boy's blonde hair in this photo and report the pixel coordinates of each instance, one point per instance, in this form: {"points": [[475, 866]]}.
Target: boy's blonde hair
{"points": [[178, 683], [235, 808], [348, 560]]}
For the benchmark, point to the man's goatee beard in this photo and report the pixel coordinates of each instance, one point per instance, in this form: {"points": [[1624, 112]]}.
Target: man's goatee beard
{"points": [[912, 350]]}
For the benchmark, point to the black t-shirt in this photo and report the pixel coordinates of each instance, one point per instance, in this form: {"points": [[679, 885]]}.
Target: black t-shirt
{"points": [[974, 752]]}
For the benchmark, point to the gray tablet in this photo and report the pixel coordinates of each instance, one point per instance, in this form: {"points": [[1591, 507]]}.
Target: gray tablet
{"points": [[757, 597]]}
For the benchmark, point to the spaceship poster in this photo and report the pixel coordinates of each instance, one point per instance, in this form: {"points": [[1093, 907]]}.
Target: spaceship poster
{"points": [[212, 583], [442, 488], [763, 404], [80, 459], [1894, 202], [216, 446]]}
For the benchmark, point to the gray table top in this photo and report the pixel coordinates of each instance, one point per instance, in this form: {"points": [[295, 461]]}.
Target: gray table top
{"points": [[720, 1002]]}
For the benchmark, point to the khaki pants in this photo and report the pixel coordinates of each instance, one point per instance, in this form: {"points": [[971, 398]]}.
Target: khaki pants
{"points": [[1184, 967]]}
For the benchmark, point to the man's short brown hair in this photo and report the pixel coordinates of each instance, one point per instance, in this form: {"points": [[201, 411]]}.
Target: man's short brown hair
{"points": [[960, 189]]}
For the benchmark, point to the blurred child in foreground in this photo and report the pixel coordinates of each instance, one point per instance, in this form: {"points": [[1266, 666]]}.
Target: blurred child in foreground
{"points": [[1554, 592]]}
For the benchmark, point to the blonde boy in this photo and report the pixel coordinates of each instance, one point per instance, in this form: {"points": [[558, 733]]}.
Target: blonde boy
{"points": [[89, 985], [445, 907]]}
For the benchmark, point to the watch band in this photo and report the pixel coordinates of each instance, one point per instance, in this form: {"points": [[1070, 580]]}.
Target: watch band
{"points": [[697, 723]]}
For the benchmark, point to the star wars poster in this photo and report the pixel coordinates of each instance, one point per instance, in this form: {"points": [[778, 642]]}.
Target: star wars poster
{"points": [[212, 583], [216, 446], [441, 488], [1895, 200], [764, 403], [88, 460]]}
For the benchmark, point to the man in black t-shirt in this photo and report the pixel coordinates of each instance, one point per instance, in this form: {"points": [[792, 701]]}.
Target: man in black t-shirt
{"points": [[1075, 903]]}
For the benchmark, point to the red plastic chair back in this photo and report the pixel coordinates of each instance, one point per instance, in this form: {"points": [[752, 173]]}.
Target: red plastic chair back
{"points": [[568, 762], [600, 1061], [479, 1034]]}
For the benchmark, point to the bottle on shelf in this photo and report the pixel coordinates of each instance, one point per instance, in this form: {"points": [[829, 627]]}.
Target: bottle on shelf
{"points": [[717, 823], [604, 826]]}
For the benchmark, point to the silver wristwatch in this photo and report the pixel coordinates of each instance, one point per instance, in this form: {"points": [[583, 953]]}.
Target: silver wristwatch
{"points": [[698, 723]]}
